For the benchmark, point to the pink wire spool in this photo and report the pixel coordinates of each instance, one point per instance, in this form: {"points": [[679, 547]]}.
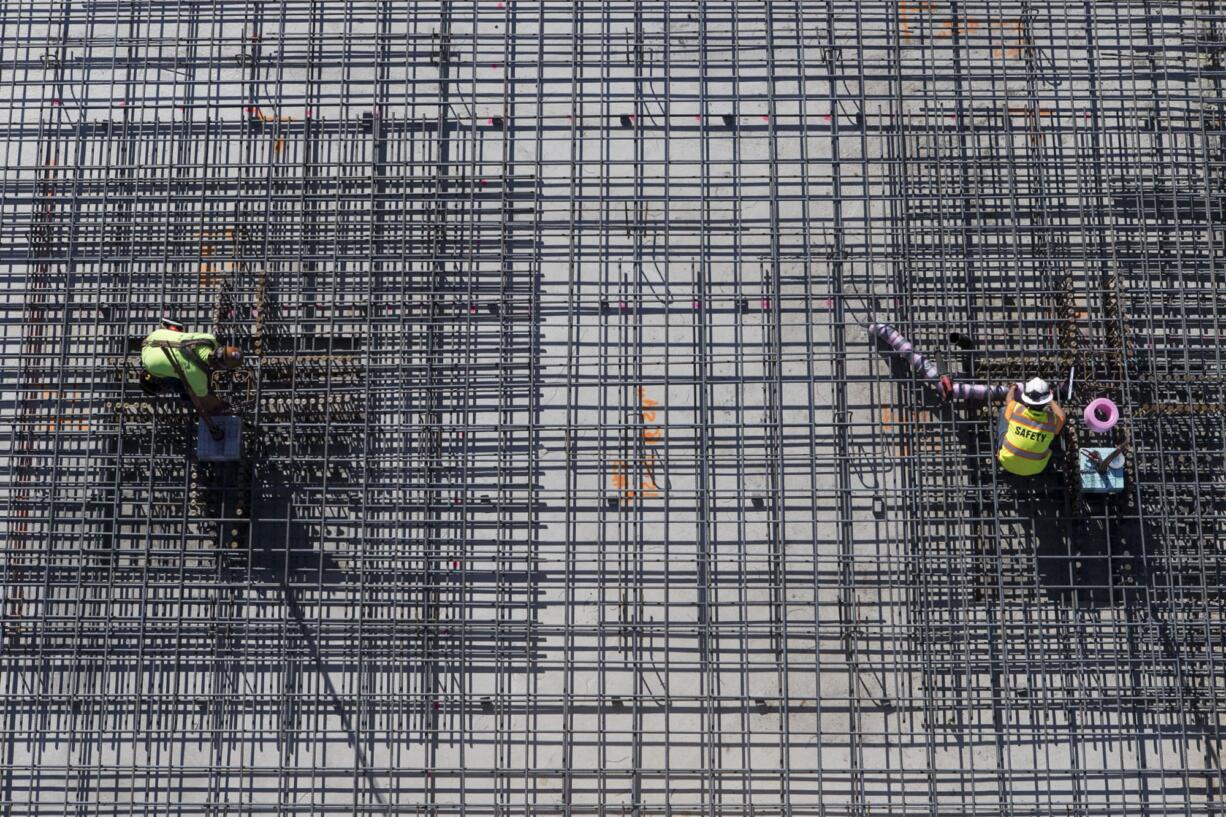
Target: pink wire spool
{"points": [[1094, 422]]}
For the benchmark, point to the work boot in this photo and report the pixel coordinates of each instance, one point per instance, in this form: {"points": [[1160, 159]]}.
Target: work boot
{"points": [[150, 385]]}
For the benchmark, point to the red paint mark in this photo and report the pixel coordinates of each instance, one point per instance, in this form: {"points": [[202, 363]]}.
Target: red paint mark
{"points": [[494, 65], [472, 310], [484, 182], [828, 117], [437, 706], [455, 564], [830, 302], [55, 103], [491, 120], [698, 118], [766, 303], [698, 304], [766, 117], [122, 103], [501, 5], [630, 117], [621, 304]]}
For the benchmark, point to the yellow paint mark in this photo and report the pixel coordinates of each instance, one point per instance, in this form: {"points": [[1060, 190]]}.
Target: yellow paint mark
{"points": [[907, 9], [75, 421], [1014, 50], [619, 477]]}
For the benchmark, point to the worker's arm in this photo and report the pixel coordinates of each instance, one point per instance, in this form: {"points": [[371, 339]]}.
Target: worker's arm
{"points": [[199, 350], [1011, 395], [1060, 418], [211, 404]]}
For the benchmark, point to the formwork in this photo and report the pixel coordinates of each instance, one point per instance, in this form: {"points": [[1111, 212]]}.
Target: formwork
{"points": [[572, 482]]}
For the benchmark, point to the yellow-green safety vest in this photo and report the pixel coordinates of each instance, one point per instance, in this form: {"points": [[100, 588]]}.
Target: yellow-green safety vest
{"points": [[1029, 434], [189, 350]]}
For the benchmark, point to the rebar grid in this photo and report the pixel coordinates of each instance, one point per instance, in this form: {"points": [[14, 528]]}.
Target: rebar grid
{"points": [[572, 482]]}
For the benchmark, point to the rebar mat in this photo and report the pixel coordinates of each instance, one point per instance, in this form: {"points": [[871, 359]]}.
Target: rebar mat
{"points": [[573, 484]]}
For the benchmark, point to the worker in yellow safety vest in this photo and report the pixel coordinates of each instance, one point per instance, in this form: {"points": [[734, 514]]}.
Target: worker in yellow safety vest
{"points": [[174, 358], [1028, 426]]}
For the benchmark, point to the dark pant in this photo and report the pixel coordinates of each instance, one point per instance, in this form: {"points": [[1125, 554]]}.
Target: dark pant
{"points": [[152, 385]]}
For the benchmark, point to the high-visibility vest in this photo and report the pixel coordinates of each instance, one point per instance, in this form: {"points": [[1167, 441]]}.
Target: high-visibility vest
{"points": [[188, 349], [1029, 434]]}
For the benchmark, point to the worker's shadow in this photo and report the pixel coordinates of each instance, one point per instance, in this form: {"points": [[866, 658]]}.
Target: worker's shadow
{"points": [[284, 549]]}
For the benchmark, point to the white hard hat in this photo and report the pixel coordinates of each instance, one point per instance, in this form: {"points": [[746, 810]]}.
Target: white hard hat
{"points": [[1037, 392]]}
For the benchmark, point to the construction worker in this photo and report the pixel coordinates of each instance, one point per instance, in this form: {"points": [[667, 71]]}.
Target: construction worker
{"points": [[173, 358], [1029, 424]]}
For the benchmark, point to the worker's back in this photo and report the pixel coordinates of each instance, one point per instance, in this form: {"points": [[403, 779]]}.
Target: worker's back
{"points": [[153, 356], [1029, 433]]}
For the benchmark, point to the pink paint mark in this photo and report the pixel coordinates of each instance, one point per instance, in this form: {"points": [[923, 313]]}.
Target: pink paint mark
{"points": [[766, 303], [122, 103], [55, 103], [621, 304], [491, 120], [484, 182], [472, 310], [766, 117], [698, 118], [830, 302], [630, 117], [1086, 114], [698, 304], [828, 117], [455, 564], [501, 5], [376, 112]]}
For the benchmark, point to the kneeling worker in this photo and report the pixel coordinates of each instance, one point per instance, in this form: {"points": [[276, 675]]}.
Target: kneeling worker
{"points": [[1027, 428], [183, 360]]}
